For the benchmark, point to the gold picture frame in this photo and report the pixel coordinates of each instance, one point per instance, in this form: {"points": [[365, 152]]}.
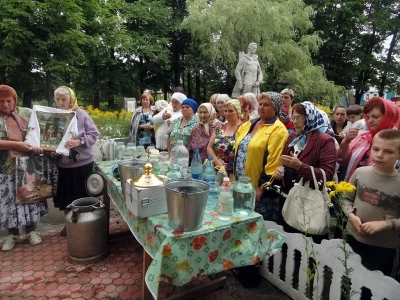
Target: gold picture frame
{"points": [[53, 127]]}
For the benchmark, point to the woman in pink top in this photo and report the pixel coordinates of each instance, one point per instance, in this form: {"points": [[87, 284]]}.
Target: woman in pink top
{"points": [[355, 148]]}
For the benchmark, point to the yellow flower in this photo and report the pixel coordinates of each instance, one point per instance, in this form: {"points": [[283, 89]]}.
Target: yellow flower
{"points": [[332, 194], [344, 187], [330, 184]]}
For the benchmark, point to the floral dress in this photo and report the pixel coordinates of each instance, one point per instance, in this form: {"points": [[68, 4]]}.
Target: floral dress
{"points": [[14, 215], [199, 139], [146, 138], [177, 132], [223, 144], [242, 155]]}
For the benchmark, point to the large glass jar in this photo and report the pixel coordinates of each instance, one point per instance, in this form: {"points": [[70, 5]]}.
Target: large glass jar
{"points": [[244, 196], [120, 150], [174, 172], [129, 151]]}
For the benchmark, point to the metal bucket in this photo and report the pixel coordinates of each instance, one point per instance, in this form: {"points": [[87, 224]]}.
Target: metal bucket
{"points": [[186, 203], [86, 231], [128, 169]]}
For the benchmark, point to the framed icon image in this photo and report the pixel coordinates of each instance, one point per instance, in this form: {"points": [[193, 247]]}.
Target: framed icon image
{"points": [[53, 127]]}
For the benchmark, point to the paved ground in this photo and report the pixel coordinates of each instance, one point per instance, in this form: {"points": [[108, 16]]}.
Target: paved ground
{"points": [[44, 272]]}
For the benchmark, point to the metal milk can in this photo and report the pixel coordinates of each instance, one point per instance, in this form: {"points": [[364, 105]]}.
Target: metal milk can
{"points": [[86, 224]]}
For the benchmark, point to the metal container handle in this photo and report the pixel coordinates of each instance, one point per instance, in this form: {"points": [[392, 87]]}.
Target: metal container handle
{"points": [[101, 205], [75, 215]]}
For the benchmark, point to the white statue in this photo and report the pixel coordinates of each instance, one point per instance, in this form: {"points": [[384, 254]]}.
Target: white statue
{"points": [[248, 73]]}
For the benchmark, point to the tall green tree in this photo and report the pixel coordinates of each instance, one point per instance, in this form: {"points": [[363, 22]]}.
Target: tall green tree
{"points": [[279, 28]]}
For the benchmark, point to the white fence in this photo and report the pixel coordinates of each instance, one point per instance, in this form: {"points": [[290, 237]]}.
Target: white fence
{"points": [[282, 270]]}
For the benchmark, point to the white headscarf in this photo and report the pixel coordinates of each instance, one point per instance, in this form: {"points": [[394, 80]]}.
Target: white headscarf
{"points": [[160, 105], [178, 96], [212, 119]]}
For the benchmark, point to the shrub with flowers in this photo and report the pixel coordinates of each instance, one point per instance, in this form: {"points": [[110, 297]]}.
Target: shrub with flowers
{"points": [[324, 108], [112, 124], [338, 190]]}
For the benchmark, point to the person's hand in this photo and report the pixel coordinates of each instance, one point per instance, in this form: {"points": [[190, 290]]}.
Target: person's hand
{"points": [[166, 115], [342, 135], [257, 83], [37, 150], [259, 193], [240, 86], [374, 226], [290, 161], [72, 143], [279, 172], [356, 222], [169, 122], [351, 135], [147, 127], [22, 147]]}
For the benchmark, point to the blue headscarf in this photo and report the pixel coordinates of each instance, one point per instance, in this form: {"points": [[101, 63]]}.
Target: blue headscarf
{"points": [[314, 121]]}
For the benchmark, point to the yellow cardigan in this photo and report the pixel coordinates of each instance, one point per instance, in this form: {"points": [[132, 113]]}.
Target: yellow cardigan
{"points": [[265, 147]]}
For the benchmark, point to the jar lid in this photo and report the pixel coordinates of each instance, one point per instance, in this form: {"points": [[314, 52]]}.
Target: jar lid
{"points": [[95, 184]]}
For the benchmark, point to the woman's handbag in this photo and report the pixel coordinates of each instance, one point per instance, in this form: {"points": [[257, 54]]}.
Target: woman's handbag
{"points": [[306, 209], [36, 178]]}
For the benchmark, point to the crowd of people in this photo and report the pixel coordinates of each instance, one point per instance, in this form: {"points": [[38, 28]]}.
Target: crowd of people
{"points": [[269, 138]]}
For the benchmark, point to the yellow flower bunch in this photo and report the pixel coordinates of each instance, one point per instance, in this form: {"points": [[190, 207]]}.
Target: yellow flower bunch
{"points": [[112, 124], [339, 189], [324, 108]]}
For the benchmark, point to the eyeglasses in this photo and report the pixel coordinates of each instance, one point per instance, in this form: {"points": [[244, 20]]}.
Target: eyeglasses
{"points": [[297, 118]]}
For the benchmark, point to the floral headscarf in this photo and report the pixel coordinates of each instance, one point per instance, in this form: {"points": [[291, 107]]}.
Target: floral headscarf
{"points": [[390, 118], [314, 121], [277, 100], [213, 117]]}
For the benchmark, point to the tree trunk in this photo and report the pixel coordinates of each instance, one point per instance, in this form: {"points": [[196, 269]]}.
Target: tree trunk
{"points": [[388, 62], [198, 83], [358, 96], [189, 85], [49, 91], [110, 81], [96, 94], [27, 101]]}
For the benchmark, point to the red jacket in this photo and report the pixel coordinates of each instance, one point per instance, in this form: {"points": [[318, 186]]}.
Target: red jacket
{"points": [[319, 152]]}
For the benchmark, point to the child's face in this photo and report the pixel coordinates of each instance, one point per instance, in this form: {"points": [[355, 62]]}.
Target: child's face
{"points": [[354, 118], [385, 153]]}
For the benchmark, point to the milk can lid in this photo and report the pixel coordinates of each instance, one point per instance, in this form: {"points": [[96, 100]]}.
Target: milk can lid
{"points": [[95, 184]]}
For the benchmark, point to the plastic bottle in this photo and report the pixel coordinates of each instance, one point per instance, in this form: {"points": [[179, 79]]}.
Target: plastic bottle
{"points": [[196, 167], [209, 171], [212, 196], [180, 156], [221, 174], [225, 201]]}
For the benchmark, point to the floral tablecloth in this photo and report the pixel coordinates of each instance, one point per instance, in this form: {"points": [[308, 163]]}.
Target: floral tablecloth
{"points": [[180, 257]]}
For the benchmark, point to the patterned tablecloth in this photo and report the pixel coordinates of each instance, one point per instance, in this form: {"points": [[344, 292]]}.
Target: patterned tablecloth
{"points": [[180, 257]]}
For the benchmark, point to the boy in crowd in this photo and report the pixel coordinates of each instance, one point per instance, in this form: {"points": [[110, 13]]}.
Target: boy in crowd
{"points": [[373, 209], [355, 116]]}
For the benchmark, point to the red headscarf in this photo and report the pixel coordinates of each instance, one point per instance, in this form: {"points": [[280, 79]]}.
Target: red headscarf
{"points": [[390, 115], [14, 123]]}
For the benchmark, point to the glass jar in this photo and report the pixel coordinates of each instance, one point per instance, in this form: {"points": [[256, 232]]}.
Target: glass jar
{"points": [[120, 150], [163, 165], [174, 172], [130, 151], [244, 196], [141, 152]]}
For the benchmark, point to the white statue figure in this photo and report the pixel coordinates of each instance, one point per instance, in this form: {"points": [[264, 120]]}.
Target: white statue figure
{"points": [[248, 73]]}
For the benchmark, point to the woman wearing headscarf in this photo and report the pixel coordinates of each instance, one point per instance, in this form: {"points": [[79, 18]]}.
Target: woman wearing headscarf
{"points": [[13, 123], [74, 168], [307, 146], [249, 105], [220, 101], [220, 146], [164, 118], [142, 131], [200, 135], [258, 146], [355, 148], [181, 127]]}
